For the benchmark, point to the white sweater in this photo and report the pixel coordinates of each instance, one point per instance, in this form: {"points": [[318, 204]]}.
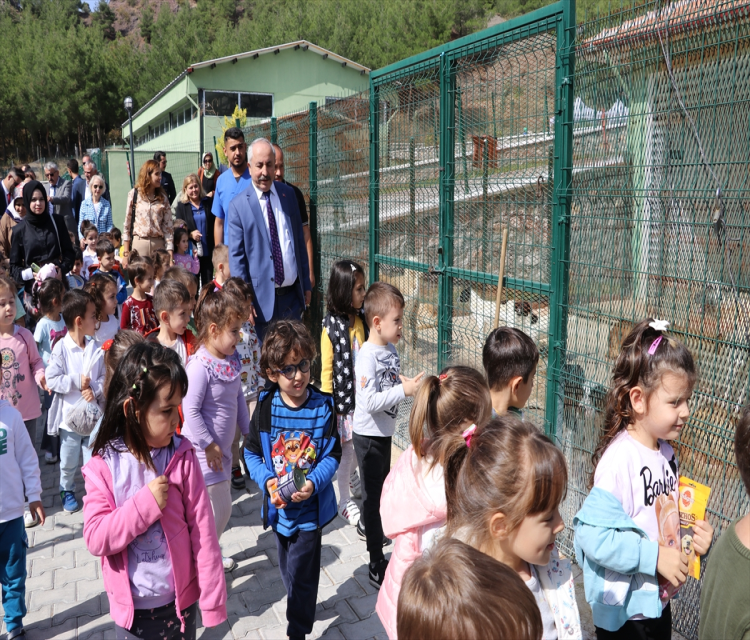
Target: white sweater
{"points": [[19, 465]]}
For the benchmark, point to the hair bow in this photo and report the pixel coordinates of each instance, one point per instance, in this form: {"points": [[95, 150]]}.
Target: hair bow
{"points": [[659, 325], [468, 433], [107, 345]]}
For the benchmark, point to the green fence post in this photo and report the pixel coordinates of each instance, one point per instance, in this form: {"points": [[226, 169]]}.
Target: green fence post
{"points": [[462, 137], [313, 183], [374, 179], [485, 204], [274, 131], [448, 104], [412, 230], [494, 117], [561, 197]]}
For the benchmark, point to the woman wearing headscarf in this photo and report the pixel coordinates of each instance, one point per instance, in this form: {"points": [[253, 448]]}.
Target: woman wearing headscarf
{"points": [[40, 238], [208, 174]]}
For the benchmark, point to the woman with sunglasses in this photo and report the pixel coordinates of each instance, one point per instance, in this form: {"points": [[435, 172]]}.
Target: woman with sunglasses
{"points": [[208, 174], [39, 239], [96, 209]]}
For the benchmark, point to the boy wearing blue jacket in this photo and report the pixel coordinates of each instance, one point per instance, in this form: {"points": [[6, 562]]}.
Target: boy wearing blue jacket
{"points": [[292, 453]]}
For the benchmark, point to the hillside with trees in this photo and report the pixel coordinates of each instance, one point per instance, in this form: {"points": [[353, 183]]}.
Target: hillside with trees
{"points": [[65, 69]]}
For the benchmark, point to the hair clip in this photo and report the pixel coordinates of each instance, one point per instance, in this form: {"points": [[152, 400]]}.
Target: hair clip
{"points": [[468, 433], [351, 264], [659, 325], [654, 345], [442, 376], [107, 345]]}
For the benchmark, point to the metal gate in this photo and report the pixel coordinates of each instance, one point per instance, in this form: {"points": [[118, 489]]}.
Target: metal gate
{"points": [[467, 140]]}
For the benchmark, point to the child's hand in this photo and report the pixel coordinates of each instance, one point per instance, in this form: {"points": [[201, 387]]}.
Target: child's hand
{"points": [[43, 384], [672, 565], [159, 488], [411, 384], [87, 395], [213, 457], [703, 533], [38, 509], [304, 493], [85, 382], [276, 501]]}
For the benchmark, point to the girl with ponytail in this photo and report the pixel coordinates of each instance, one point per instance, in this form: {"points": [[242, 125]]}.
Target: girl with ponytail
{"points": [[412, 506]]}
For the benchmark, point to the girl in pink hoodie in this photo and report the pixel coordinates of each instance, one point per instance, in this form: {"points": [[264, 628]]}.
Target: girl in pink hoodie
{"points": [[146, 510], [412, 507]]}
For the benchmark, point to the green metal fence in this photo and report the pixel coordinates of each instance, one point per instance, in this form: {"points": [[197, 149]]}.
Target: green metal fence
{"points": [[622, 183]]}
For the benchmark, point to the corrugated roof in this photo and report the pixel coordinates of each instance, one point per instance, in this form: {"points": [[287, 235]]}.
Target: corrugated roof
{"points": [[298, 44], [674, 19]]}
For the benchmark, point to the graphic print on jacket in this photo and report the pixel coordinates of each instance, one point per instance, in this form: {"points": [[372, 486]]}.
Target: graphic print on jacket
{"points": [[10, 377], [388, 378], [292, 449]]}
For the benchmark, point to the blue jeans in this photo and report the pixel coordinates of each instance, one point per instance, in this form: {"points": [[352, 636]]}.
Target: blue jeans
{"points": [[71, 446], [13, 543]]}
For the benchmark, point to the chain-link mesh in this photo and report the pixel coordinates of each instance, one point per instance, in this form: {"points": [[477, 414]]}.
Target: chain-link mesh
{"points": [[659, 228]]}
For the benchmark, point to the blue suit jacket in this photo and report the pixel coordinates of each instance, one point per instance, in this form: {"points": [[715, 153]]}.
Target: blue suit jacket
{"points": [[77, 196], [250, 247]]}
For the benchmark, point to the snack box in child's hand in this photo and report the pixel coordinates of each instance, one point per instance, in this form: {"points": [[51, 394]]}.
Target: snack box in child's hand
{"points": [[693, 501]]}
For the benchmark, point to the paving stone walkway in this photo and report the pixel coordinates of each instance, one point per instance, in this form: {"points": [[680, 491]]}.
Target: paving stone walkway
{"points": [[66, 599]]}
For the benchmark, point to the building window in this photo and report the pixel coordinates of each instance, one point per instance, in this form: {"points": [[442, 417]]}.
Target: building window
{"points": [[223, 103]]}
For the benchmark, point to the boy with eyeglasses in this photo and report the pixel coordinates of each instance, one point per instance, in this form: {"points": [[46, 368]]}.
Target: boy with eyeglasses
{"points": [[292, 452]]}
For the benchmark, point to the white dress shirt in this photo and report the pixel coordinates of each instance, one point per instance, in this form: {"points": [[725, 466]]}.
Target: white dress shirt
{"points": [[285, 235]]}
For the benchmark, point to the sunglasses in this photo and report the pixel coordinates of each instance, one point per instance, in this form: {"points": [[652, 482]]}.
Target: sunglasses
{"points": [[49, 175], [97, 186], [290, 371], [209, 161]]}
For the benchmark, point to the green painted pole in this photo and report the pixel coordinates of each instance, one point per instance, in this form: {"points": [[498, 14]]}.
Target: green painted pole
{"points": [[274, 131], [412, 230], [448, 103], [462, 137], [374, 180], [561, 200], [313, 182], [494, 117], [485, 204]]}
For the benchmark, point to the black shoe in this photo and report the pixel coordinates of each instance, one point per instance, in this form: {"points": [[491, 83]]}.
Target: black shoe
{"points": [[17, 633], [238, 480], [363, 536], [377, 572]]}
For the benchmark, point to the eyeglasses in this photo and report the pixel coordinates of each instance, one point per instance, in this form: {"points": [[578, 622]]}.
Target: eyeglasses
{"points": [[290, 371], [49, 175], [97, 186]]}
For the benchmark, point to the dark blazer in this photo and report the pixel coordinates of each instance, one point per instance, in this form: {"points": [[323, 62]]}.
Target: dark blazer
{"points": [[77, 196], [62, 203], [31, 245], [184, 211], [250, 248], [167, 183]]}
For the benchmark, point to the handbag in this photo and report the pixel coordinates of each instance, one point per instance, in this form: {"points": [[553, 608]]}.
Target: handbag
{"points": [[132, 217]]}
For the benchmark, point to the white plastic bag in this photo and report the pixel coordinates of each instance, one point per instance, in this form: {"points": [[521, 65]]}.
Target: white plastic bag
{"points": [[84, 416]]}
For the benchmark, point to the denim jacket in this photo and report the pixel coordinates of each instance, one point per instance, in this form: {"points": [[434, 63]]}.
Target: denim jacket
{"points": [[618, 561]]}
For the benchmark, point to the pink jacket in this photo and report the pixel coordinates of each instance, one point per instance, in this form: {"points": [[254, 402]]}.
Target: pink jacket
{"points": [[188, 524], [409, 503]]}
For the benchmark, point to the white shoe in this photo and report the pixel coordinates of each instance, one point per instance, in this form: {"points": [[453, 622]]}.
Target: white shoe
{"points": [[229, 563], [30, 519], [350, 513], [355, 487]]}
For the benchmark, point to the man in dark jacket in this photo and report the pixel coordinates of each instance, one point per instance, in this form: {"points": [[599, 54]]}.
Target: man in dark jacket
{"points": [[167, 182]]}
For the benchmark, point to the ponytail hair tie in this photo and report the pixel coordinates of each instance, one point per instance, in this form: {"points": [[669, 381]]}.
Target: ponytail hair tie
{"points": [[442, 377], [468, 433]]}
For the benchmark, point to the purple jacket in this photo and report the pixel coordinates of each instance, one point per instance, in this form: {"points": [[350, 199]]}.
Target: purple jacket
{"points": [[213, 407], [188, 524]]}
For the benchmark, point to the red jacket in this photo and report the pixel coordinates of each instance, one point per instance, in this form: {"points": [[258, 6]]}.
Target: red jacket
{"points": [[191, 342], [188, 524]]}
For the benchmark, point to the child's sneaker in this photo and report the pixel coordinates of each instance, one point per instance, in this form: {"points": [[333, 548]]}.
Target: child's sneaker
{"points": [[69, 502], [377, 572], [229, 563], [17, 633], [50, 458], [355, 487], [350, 512], [30, 519], [361, 533], [238, 480]]}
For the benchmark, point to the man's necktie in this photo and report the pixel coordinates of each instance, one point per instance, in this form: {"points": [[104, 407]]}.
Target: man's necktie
{"points": [[278, 260]]}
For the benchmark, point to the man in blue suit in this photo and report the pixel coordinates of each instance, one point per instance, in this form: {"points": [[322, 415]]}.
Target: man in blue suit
{"points": [[266, 242]]}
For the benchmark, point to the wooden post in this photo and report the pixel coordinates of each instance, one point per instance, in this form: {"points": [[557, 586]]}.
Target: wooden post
{"points": [[500, 277]]}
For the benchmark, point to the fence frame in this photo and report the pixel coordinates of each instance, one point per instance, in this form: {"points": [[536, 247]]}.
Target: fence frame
{"points": [[559, 17]]}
